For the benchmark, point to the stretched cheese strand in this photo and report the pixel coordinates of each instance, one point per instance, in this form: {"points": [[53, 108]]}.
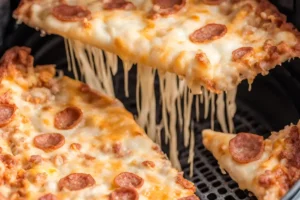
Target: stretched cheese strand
{"points": [[191, 151], [231, 108], [213, 108], [176, 98], [127, 66], [147, 114], [221, 112]]}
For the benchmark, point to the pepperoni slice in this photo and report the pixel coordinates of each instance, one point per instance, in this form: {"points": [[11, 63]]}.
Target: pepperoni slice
{"points": [[124, 193], [76, 181], [118, 4], [208, 33], [6, 113], [192, 197], [246, 147], [212, 2], [166, 7], [49, 141], [67, 118], [242, 52], [48, 197], [127, 179], [69, 13]]}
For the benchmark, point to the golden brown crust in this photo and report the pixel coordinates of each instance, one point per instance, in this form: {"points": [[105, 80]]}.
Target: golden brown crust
{"points": [[184, 183], [16, 58]]}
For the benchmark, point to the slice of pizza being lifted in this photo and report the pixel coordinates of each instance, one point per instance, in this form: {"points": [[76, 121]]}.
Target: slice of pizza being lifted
{"points": [[214, 43], [62, 140], [268, 168]]}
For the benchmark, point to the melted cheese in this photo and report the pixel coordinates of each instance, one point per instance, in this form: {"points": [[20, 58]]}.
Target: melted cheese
{"points": [[176, 98], [104, 122]]}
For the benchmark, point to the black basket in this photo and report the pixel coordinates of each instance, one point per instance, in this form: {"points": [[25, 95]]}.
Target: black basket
{"points": [[273, 102]]}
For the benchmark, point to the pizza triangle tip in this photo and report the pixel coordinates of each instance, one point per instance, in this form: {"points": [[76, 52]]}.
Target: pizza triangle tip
{"points": [[266, 167], [60, 139]]}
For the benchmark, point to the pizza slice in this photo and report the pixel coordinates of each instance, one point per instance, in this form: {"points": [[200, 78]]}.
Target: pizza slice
{"points": [[266, 167], [62, 140], [214, 43]]}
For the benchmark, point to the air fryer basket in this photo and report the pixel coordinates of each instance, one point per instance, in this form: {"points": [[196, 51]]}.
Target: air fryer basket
{"points": [[273, 102]]}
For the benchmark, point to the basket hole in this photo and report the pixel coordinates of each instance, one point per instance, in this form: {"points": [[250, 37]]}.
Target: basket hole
{"points": [[222, 191], [196, 180], [211, 178], [202, 185], [233, 185], [204, 190], [199, 165], [212, 196], [216, 184], [204, 170], [241, 194], [229, 197]]}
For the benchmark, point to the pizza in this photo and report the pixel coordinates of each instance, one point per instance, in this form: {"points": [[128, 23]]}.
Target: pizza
{"points": [[62, 140], [266, 167], [213, 43]]}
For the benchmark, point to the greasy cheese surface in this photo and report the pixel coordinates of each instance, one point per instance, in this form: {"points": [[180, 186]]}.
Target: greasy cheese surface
{"points": [[164, 42], [104, 123], [249, 176]]}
